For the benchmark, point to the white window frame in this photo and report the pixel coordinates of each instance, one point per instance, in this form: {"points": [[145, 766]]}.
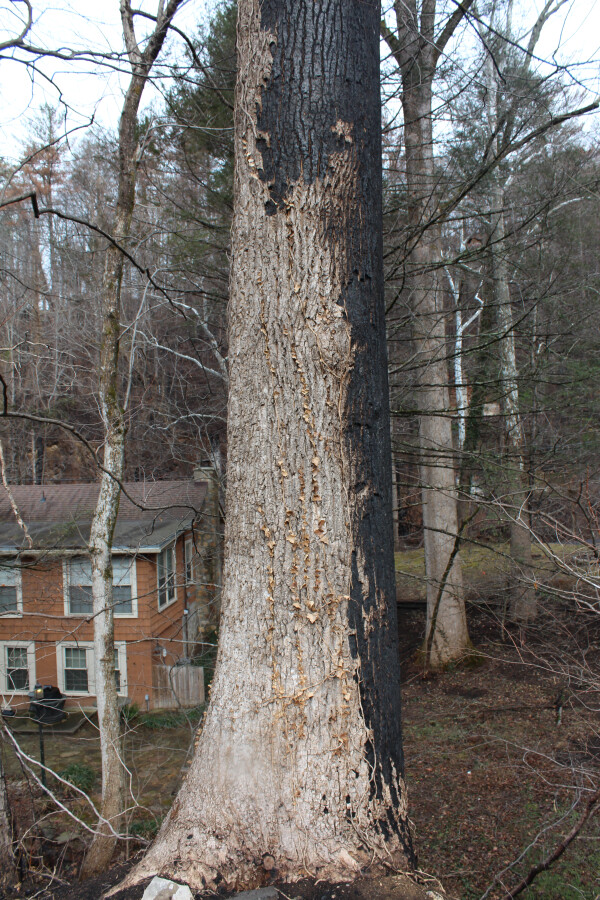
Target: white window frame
{"points": [[133, 581], [88, 646], [172, 548], [67, 588], [19, 586], [118, 615], [30, 646], [189, 562]]}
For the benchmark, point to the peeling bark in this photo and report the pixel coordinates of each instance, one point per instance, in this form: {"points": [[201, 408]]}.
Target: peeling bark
{"points": [[300, 754]]}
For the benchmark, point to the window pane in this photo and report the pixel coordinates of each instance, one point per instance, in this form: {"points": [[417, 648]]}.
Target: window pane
{"points": [[76, 680], [80, 601], [80, 571], [17, 670], [16, 657], [122, 570], [8, 575], [8, 598], [76, 676], [75, 657], [17, 679], [189, 568], [117, 672], [122, 600], [80, 587], [166, 579]]}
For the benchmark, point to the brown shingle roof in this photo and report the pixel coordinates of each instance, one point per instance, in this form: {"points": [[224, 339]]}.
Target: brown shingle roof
{"points": [[59, 516]]}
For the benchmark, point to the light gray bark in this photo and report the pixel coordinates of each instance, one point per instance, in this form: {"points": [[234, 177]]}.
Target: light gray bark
{"points": [[417, 51], [299, 757], [522, 601], [113, 422]]}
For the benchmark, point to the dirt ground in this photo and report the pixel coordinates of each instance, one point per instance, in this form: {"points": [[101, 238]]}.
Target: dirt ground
{"points": [[398, 887], [499, 754]]}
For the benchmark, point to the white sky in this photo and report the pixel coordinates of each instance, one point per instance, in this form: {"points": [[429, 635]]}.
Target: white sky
{"points": [[87, 89], [573, 36]]}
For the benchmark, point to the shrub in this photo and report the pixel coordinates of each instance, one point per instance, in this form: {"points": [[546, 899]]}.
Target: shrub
{"points": [[171, 718], [80, 775], [129, 712], [145, 828]]}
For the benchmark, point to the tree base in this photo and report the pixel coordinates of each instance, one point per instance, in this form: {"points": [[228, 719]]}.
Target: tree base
{"points": [[378, 884], [467, 657], [207, 863]]}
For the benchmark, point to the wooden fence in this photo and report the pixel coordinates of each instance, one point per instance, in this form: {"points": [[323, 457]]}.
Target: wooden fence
{"points": [[176, 686]]}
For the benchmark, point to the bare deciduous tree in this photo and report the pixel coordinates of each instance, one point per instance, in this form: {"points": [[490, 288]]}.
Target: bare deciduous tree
{"points": [[417, 49], [113, 421]]}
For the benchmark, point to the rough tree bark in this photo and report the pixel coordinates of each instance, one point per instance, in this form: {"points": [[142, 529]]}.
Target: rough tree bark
{"points": [[8, 872], [113, 422], [299, 762], [416, 50]]}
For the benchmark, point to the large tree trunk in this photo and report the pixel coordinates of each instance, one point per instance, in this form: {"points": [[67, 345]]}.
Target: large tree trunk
{"points": [[300, 755]]}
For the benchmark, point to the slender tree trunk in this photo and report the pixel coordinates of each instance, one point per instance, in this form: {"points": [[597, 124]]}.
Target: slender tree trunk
{"points": [[102, 530], [483, 372], [299, 763], [523, 603], [7, 861], [446, 631], [113, 421]]}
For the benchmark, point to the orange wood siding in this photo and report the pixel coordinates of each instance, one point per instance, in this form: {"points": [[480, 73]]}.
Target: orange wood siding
{"points": [[45, 623]]}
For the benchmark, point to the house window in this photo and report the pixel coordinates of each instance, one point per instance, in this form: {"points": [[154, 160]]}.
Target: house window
{"points": [[80, 588], [76, 670], [76, 673], [10, 589], [165, 570], [17, 667], [123, 585], [79, 578]]}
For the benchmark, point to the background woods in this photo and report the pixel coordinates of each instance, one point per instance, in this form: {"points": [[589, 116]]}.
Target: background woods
{"points": [[490, 209]]}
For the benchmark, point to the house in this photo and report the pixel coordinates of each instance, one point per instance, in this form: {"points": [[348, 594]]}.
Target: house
{"points": [[166, 575]]}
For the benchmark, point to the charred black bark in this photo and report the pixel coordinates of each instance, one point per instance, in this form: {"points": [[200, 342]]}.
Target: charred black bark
{"points": [[322, 95], [325, 70]]}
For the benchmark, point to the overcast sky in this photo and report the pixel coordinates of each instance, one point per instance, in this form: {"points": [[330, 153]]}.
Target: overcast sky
{"points": [[89, 90], [85, 89]]}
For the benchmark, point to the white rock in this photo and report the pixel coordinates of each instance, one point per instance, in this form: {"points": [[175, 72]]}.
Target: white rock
{"points": [[163, 889]]}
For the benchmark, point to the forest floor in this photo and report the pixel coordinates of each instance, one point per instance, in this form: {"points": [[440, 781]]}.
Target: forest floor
{"points": [[499, 755]]}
